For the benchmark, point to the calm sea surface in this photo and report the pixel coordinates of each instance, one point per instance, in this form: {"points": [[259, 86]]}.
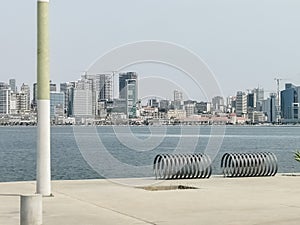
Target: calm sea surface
{"points": [[88, 152]]}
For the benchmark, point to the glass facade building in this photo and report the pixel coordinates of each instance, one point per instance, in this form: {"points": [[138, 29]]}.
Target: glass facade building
{"points": [[57, 103], [290, 102]]}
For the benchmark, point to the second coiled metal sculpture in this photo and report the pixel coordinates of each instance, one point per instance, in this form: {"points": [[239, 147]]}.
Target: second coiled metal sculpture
{"points": [[249, 164], [182, 166]]}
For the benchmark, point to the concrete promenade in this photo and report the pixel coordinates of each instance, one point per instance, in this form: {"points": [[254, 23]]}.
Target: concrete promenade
{"points": [[218, 200]]}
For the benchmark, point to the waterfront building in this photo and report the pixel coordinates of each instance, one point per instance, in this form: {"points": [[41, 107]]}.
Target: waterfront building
{"points": [[176, 105], [13, 104], [83, 97], [131, 96], [106, 87], [164, 105], [177, 114], [153, 102], [57, 103], [259, 93], [231, 104], [82, 103], [123, 77], [269, 108], [5, 94], [25, 89], [92, 82], [19, 103], [102, 110], [203, 107], [290, 103], [178, 96], [116, 106], [218, 104], [256, 117], [149, 113], [189, 109], [34, 98], [251, 101], [241, 103], [68, 89]]}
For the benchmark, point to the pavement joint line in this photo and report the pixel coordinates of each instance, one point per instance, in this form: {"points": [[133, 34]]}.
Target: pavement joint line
{"points": [[106, 208]]}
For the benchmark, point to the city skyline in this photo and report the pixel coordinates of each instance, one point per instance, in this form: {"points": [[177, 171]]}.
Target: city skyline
{"points": [[247, 43], [90, 98]]}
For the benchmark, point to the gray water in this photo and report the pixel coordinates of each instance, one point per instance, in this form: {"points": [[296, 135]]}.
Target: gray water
{"points": [[18, 149]]}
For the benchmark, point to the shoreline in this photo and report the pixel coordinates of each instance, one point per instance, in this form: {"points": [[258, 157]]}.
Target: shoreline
{"points": [[164, 125]]}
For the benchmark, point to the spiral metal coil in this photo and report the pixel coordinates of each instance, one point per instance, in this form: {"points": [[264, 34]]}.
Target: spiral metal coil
{"points": [[249, 164], [182, 166]]}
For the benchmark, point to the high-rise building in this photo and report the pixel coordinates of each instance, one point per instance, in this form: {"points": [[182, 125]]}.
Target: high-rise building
{"points": [[218, 104], [123, 77], [251, 101], [68, 89], [83, 97], [106, 87], [131, 96], [13, 103], [241, 103], [290, 103], [57, 103], [12, 84], [164, 105], [82, 103], [101, 86], [21, 102], [269, 108], [26, 90], [231, 104], [189, 109], [259, 92], [178, 95], [203, 107], [5, 94]]}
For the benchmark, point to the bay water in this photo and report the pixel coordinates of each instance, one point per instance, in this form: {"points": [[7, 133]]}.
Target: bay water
{"points": [[129, 151]]}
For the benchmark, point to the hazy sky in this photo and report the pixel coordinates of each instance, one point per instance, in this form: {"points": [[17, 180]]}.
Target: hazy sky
{"points": [[245, 43]]}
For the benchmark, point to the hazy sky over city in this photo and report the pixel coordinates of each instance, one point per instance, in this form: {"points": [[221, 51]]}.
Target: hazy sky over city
{"points": [[245, 43]]}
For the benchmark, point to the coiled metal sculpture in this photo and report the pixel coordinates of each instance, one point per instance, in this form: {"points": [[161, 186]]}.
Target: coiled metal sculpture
{"points": [[182, 166], [249, 164]]}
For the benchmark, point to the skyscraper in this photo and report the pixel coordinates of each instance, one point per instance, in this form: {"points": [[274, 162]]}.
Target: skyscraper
{"points": [[241, 103], [68, 90], [26, 90], [259, 92], [251, 101], [106, 87], [131, 95], [5, 94], [122, 82], [290, 103], [83, 99], [269, 108], [57, 103], [12, 84]]}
